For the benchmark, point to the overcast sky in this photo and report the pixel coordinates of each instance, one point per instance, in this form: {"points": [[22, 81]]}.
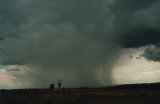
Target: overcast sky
{"points": [[81, 42]]}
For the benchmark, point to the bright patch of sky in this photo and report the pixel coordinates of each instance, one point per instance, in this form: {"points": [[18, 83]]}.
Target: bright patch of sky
{"points": [[132, 67], [13, 77]]}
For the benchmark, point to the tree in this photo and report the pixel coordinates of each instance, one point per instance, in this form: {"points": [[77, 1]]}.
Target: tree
{"points": [[52, 86]]}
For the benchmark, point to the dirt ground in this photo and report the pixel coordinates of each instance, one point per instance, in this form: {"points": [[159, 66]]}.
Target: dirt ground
{"points": [[81, 96]]}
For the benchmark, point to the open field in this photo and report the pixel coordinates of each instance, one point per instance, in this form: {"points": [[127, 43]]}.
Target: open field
{"points": [[127, 94]]}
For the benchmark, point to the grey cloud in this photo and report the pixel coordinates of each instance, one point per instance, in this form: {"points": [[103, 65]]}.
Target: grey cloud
{"points": [[130, 5], [11, 17], [141, 36], [74, 36], [137, 23], [63, 39], [152, 53]]}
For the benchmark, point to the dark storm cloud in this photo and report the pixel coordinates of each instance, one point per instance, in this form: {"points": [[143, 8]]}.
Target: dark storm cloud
{"points": [[152, 53], [132, 5], [11, 17], [66, 36], [136, 25], [74, 37], [141, 36]]}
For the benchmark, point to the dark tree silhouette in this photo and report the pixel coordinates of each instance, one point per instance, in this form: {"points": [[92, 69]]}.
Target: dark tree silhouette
{"points": [[59, 84], [52, 86]]}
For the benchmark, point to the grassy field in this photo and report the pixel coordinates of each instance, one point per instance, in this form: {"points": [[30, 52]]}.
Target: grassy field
{"points": [[127, 94]]}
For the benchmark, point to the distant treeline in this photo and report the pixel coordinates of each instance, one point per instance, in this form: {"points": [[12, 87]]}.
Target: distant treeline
{"points": [[136, 86], [125, 87]]}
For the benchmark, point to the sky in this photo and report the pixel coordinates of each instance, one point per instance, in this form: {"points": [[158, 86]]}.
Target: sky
{"points": [[90, 43]]}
